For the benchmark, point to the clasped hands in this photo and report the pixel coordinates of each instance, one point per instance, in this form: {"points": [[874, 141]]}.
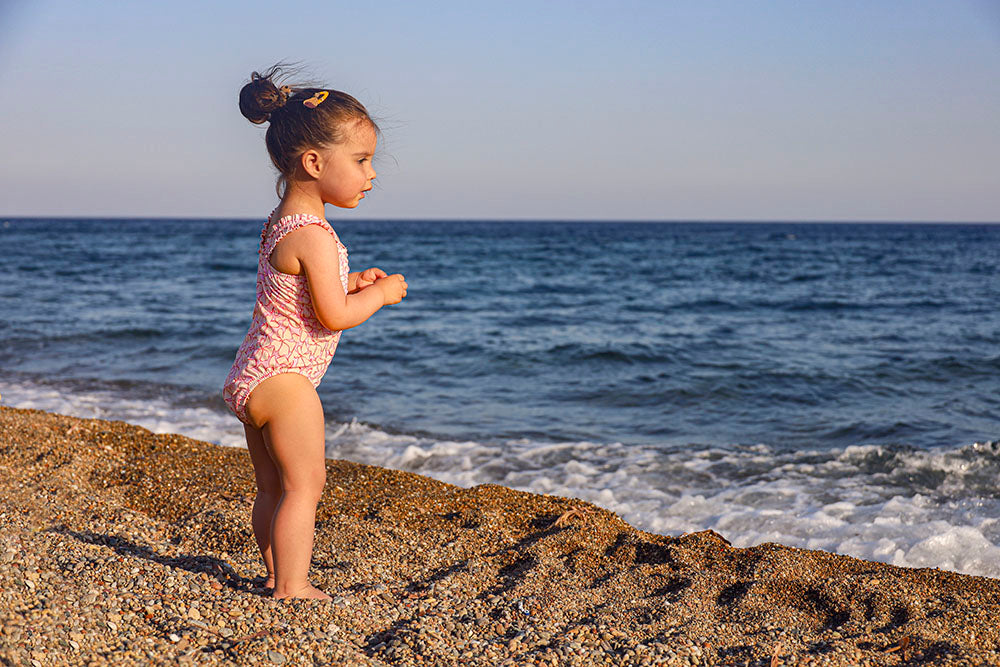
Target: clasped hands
{"points": [[370, 276]]}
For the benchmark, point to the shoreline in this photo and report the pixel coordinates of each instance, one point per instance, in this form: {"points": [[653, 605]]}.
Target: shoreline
{"points": [[120, 545]]}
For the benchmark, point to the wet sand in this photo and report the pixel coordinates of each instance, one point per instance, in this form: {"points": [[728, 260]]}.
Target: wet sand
{"points": [[122, 546]]}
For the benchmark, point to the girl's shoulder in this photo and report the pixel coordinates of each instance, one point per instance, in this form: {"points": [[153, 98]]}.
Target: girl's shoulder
{"points": [[278, 228]]}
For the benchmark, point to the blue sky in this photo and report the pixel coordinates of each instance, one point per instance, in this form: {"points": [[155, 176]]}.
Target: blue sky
{"points": [[700, 110]]}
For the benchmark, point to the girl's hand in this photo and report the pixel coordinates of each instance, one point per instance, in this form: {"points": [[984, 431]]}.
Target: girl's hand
{"points": [[393, 288], [368, 277]]}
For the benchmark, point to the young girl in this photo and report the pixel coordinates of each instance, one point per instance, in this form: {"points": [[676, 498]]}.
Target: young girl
{"points": [[322, 143]]}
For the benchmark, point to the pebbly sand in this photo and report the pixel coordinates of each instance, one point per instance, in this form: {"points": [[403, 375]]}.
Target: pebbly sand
{"points": [[119, 546]]}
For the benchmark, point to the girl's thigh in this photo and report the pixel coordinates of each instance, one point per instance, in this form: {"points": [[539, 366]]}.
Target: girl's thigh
{"points": [[288, 413]]}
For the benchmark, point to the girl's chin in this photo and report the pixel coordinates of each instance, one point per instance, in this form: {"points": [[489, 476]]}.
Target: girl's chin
{"points": [[347, 204]]}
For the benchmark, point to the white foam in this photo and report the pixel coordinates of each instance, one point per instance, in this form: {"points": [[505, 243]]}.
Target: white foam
{"points": [[157, 415], [931, 508]]}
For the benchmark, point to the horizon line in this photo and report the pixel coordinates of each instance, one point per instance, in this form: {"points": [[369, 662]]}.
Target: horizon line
{"points": [[776, 221]]}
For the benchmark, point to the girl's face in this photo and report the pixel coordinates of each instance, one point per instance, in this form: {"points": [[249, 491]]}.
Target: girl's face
{"points": [[347, 173]]}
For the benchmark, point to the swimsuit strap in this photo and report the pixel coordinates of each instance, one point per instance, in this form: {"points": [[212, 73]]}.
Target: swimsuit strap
{"points": [[289, 223]]}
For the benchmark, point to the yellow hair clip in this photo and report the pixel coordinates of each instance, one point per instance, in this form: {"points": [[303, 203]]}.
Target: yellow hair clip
{"points": [[316, 99]]}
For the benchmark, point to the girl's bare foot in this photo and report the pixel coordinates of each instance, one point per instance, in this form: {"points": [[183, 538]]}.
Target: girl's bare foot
{"points": [[269, 582], [307, 592]]}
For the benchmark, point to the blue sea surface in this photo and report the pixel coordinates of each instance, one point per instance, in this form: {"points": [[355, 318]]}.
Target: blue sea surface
{"points": [[831, 386]]}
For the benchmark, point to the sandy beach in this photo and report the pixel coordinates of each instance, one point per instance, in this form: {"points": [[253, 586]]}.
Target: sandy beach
{"points": [[122, 546]]}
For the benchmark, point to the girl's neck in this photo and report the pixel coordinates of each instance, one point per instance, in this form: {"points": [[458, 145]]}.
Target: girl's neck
{"points": [[298, 201]]}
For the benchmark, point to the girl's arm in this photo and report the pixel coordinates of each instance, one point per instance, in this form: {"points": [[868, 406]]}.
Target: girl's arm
{"points": [[319, 259]]}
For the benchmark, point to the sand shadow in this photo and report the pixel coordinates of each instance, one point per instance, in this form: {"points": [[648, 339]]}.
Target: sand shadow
{"points": [[215, 568], [379, 644]]}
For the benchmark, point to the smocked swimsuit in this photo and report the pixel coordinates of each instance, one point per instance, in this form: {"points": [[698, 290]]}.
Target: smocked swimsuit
{"points": [[285, 336]]}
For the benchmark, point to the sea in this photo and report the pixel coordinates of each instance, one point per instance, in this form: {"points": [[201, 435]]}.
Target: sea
{"points": [[826, 386]]}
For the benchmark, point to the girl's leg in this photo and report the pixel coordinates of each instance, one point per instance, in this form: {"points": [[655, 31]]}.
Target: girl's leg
{"points": [[290, 418], [268, 495]]}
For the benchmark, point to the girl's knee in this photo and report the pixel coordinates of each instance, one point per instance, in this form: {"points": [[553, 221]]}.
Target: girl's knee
{"points": [[307, 485], [269, 492], [302, 497], [317, 483], [268, 480]]}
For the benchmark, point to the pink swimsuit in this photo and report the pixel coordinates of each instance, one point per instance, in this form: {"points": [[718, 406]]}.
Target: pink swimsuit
{"points": [[284, 336]]}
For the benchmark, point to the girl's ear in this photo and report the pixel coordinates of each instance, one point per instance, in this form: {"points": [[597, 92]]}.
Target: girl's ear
{"points": [[312, 162]]}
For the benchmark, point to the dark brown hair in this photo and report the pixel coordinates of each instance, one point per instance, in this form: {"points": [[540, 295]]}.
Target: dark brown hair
{"points": [[294, 127]]}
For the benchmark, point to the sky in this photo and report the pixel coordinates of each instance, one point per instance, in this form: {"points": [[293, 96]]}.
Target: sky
{"points": [[793, 110]]}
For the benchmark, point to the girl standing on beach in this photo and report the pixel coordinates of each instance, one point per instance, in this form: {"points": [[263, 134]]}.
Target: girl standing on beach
{"points": [[322, 142]]}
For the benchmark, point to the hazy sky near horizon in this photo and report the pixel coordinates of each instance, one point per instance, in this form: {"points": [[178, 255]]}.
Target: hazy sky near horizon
{"points": [[683, 110]]}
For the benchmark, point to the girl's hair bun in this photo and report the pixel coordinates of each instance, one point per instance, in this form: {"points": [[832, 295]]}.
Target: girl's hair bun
{"points": [[260, 97]]}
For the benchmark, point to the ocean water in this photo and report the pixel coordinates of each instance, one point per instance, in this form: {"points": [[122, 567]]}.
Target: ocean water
{"points": [[829, 386]]}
